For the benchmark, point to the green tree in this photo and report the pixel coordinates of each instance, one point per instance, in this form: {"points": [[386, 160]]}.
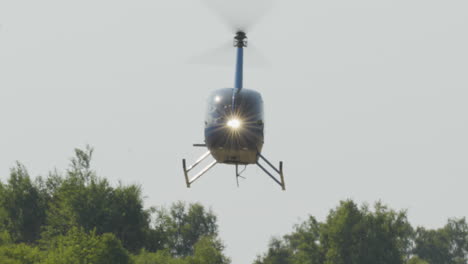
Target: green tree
{"points": [[79, 246], [433, 245], [79, 217], [85, 200], [447, 245], [80, 199], [300, 247], [129, 220], [350, 235], [342, 235], [181, 227], [20, 253], [305, 242], [457, 230], [22, 206], [278, 253], [208, 250], [388, 235]]}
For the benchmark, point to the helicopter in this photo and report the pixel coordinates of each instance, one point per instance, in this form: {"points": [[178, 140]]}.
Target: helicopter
{"points": [[234, 127]]}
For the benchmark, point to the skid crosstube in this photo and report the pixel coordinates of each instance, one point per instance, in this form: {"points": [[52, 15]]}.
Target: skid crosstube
{"points": [[188, 180]]}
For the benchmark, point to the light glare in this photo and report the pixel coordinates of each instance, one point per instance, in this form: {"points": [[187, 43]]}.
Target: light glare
{"points": [[234, 123]]}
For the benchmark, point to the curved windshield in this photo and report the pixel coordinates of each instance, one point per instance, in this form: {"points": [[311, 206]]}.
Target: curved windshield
{"points": [[248, 106]]}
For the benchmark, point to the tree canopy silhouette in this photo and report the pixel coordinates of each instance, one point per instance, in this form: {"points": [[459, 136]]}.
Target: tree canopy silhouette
{"points": [[79, 217]]}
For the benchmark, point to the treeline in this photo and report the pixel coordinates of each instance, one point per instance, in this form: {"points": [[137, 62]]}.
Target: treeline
{"points": [[78, 217], [353, 234]]}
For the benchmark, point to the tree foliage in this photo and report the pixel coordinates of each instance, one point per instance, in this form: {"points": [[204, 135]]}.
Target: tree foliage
{"points": [[358, 235], [85, 200], [22, 206], [78, 217], [79, 246], [206, 251], [182, 226], [447, 245], [353, 234]]}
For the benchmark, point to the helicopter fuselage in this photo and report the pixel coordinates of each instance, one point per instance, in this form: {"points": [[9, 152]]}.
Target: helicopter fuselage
{"points": [[234, 126]]}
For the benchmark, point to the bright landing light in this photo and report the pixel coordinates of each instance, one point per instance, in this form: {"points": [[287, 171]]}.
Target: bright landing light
{"points": [[234, 123]]}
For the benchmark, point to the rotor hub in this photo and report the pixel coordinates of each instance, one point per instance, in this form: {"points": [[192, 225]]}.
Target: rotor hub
{"points": [[240, 40]]}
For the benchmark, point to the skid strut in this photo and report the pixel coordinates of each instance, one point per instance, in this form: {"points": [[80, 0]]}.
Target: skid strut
{"points": [[189, 181], [279, 171]]}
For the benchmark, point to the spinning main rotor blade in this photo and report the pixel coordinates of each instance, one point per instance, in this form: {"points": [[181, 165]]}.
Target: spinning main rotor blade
{"points": [[223, 55], [240, 15], [220, 56]]}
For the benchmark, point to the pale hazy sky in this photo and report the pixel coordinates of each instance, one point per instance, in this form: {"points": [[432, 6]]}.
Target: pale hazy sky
{"points": [[364, 99]]}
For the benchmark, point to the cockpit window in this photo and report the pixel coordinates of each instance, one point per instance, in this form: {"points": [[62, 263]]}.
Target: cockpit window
{"points": [[248, 106]]}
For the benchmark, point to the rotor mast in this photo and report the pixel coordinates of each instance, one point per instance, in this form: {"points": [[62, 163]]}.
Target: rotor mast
{"points": [[240, 42]]}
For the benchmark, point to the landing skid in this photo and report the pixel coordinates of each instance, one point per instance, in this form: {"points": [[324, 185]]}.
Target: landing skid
{"points": [[190, 180], [279, 171]]}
